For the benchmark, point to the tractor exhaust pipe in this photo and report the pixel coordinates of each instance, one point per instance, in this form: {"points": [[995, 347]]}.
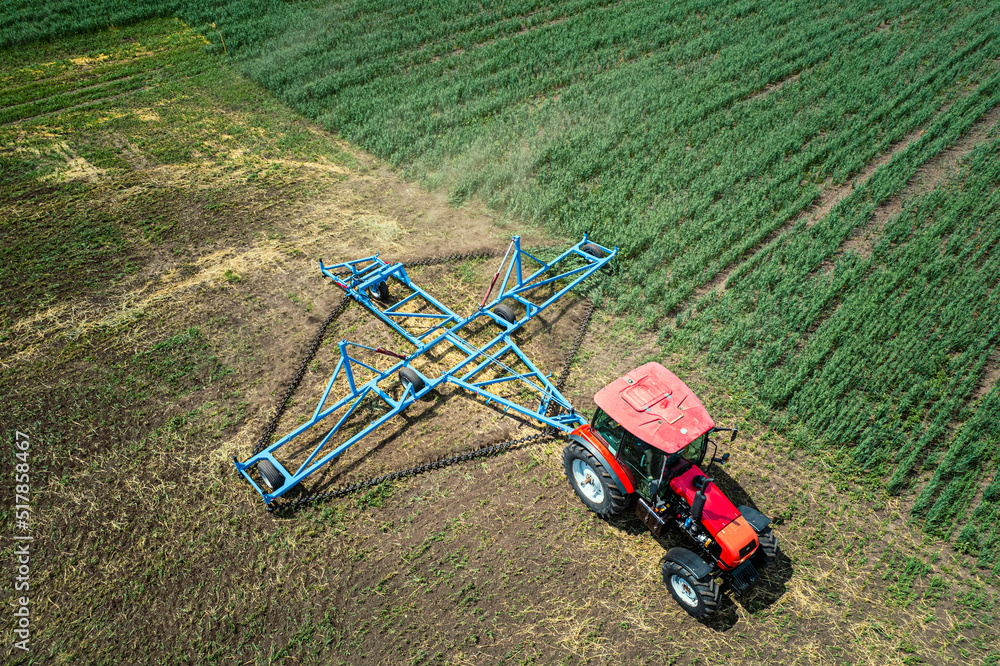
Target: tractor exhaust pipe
{"points": [[698, 504]]}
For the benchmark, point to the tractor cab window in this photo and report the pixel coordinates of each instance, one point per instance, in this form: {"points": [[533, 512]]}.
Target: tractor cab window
{"points": [[645, 462], [612, 431], [695, 451]]}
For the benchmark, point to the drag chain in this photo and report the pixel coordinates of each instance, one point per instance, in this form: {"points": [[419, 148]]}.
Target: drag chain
{"points": [[564, 373], [482, 452], [265, 437], [440, 463], [465, 256]]}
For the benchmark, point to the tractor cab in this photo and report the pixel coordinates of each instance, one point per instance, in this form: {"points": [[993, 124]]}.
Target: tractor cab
{"points": [[653, 424], [650, 466]]}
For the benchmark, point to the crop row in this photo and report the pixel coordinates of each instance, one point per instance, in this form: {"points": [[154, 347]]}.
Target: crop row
{"points": [[885, 350], [23, 21]]}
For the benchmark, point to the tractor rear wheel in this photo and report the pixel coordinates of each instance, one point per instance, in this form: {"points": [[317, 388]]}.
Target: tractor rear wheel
{"points": [[700, 597], [769, 546], [591, 482]]}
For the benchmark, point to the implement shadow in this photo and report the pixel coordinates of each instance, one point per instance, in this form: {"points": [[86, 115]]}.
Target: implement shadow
{"points": [[336, 475]]}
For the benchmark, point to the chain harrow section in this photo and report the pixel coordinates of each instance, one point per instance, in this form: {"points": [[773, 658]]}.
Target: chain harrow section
{"points": [[446, 461], [265, 437], [440, 463], [485, 253], [571, 356]]}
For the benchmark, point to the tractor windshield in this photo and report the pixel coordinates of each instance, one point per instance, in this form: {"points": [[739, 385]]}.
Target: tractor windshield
{"points": [[695, 451]]}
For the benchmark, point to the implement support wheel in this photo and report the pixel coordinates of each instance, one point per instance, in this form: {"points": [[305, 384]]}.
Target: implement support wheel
{"points": [[273, 479], [380, 291], [410, 376], [506, 313]]}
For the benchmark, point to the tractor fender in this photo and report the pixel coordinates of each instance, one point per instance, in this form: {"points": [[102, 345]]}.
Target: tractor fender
{"points": [[757, 520], [585, 438], [697, 567]]}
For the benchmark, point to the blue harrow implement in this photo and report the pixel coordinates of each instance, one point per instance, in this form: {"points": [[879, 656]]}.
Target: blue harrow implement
{"points": [[425, 324]]}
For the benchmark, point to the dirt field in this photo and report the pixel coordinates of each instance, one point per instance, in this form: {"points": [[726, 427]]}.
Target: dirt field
{"points": [[160, 287]]}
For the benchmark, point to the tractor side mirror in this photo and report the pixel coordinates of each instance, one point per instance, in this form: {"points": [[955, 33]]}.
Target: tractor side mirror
{"points": [[723, 460], [736, 431]]}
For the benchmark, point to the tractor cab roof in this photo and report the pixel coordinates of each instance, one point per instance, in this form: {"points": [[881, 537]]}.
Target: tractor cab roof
{"points": [[655, 406]]}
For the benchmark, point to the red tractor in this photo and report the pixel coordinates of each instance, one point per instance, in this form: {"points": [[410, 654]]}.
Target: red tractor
{"points": [[646, 443]]}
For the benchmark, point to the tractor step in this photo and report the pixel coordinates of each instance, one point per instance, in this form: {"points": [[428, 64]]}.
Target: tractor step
{"points": [[742, 577], [655, 522]]}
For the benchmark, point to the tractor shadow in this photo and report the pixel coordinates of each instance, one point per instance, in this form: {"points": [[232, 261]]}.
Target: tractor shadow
{"points": [[773, 580]]}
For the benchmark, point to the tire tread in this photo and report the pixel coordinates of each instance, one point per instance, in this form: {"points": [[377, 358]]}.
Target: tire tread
{"points": [[708, 590], [271, 475], [616, 499], [769, 546]]}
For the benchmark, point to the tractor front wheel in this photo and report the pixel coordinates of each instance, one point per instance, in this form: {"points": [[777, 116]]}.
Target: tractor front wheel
{"points": [[700, 597], [591, 482], [769, 546]]}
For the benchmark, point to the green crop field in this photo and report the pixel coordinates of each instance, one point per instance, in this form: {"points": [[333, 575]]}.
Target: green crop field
{"points": [[884, 348]]}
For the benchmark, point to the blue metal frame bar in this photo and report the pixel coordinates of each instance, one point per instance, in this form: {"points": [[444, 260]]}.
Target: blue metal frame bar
{"points": [[357, 277], [421, 315]]}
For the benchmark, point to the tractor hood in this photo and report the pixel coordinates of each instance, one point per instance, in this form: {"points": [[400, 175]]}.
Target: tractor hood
{"points": [[655, 406]]}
